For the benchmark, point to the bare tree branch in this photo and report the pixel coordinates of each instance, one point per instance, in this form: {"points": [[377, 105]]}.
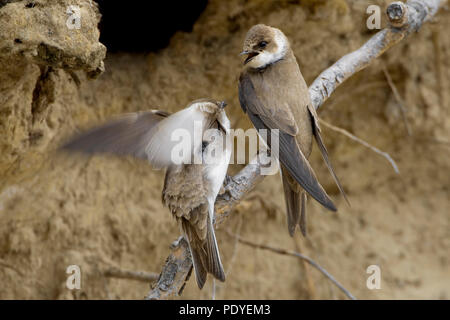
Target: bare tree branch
{"points": [[399, 100], [175, 273], [364, 143], [403, 20], [298, 255], [312, 292], [6, 265]]}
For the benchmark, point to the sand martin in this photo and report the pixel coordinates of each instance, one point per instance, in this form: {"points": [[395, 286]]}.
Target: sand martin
{"points": [[192, 182], [274, 95]]}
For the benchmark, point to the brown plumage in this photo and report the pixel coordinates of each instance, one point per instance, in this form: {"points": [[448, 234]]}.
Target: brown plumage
{"points": [[274, 95], [189, 190], [186, 192]]}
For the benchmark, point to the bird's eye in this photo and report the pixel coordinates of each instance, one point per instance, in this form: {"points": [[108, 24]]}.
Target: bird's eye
{"points": [[204, 145], [262, 44]]}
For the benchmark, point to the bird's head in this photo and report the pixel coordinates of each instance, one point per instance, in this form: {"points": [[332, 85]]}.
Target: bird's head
{"points": [[214, 110], [264, 45]]}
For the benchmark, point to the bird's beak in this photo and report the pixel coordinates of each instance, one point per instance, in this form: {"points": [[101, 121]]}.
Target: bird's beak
{"points": [[250, 55], [223, 104]]}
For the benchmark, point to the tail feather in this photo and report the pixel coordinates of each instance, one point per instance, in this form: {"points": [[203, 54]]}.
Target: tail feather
{"points": [[292, 198], [213, 263], [303, 214], [324, 152], [205, 254], [200, 271]]}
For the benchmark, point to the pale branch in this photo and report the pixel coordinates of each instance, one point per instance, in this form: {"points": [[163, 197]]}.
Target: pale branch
{"points": [[403, 19], [298, 255], [364, 143], [236, 188], [176, 272]]}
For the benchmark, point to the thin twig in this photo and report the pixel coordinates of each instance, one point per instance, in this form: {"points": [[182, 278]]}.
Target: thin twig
{"points": [[309, 279], [106, 288], [114, 272], [403, 18], [6, 265], [399, 100], [438, 66], [298, 255], [361, 88], [266, 203], [235, 248], [364, 143]]}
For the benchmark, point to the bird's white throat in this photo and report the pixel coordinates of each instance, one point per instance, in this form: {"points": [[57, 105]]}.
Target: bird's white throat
{"points": [[266, 58]]}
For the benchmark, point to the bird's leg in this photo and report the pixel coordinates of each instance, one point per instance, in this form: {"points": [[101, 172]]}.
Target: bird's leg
{"points": [[228, 179]]}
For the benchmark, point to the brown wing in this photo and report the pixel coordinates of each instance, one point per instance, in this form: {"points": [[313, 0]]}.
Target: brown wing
{"points": [[128, 135], [290, 154], [324, 152], [273, 113], [205, 253], [186, 196]]}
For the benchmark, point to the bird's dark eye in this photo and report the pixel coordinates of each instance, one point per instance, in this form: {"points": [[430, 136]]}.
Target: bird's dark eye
{"points": [[262, 44]]}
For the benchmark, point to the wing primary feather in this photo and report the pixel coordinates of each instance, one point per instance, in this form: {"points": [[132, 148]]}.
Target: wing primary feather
{"points": [[295, 162], [290, 154], [127, 135], [302, 223], [214, 264], [324, 152], [205, 253], [200, 271]]}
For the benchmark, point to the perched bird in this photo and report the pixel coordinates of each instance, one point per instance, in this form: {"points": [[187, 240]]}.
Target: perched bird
{"points": [[274, 95], [190, 186]]}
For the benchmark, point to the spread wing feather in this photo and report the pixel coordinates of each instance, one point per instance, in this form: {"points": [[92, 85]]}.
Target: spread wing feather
{"points": [[149, 135], [170, 133], [127, 135]]}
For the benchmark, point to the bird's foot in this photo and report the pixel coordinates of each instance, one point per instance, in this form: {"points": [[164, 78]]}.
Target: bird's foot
{"points": [[176, 243]]}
